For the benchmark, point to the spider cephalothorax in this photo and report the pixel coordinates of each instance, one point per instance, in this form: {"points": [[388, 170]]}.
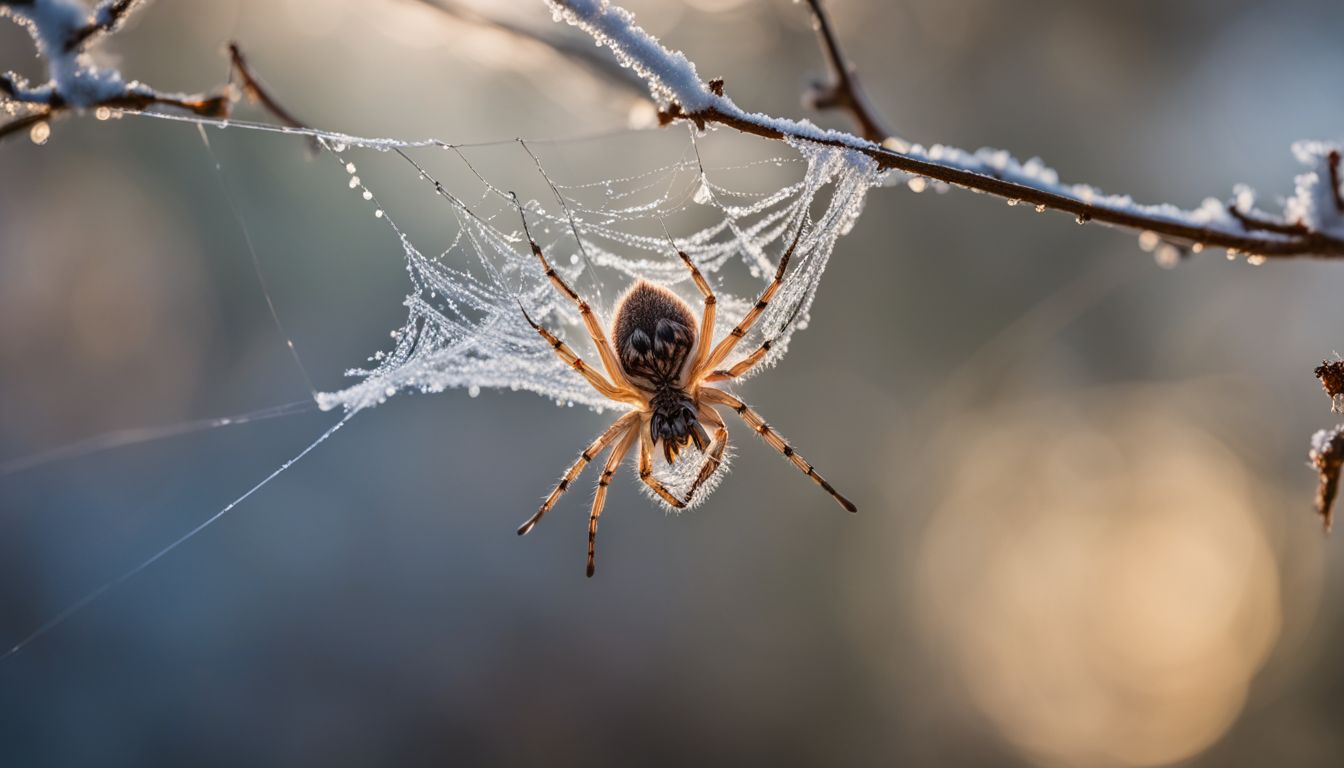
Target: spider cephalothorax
{"points": [[662, 365]]}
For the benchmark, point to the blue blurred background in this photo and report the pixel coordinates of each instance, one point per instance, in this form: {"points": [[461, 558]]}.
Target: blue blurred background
{"points": [[1085, 534]]}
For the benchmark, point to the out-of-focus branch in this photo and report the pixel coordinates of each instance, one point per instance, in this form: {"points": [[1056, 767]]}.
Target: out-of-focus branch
{"points": [[579, 52], [24, 123], [137, 96], [843, 91], [255, 90], [106, 17]]}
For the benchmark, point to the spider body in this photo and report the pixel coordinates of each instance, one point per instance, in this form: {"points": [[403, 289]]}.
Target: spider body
{"points": [[662, 364], [655, 333]]}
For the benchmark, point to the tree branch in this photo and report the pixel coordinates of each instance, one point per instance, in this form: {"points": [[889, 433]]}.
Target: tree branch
{"points": [[843, 91], [674, 80], [584, 55], [106, 17], [1293, 242], [255, 90]]}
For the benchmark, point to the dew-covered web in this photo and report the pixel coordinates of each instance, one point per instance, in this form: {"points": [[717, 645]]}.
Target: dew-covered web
{"points": [[465, 328], [472, 275]]}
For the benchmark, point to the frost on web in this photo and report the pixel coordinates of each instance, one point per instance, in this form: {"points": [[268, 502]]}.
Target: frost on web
{"points": [[465, 329]]}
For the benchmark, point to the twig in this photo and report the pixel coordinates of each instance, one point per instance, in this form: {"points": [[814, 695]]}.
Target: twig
{"points": [[25, 122], [106, 18], [843, 92], [1311, 244], [585, 55], [219, 104], [1253, 222], [1333, 162], [675, 81], [255, 90]]}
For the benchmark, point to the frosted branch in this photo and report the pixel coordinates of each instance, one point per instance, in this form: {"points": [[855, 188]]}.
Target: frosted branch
{"points": [[1307, 227], [62, 30]]}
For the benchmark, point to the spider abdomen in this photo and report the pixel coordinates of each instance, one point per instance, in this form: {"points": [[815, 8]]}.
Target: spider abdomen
{"points": [[654, 332]]}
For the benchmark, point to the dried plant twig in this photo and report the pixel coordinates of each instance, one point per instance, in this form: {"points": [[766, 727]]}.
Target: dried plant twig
{"points": [[843, 91]]}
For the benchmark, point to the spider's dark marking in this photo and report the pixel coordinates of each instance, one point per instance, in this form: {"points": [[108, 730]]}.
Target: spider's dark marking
{"points": [[660, 361], [654, 333]]}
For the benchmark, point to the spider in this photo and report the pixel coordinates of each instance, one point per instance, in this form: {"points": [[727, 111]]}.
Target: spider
{"points": [[663, 365]]}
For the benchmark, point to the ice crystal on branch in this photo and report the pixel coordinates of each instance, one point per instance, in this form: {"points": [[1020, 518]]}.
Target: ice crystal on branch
{"points": [[1327, 458]]}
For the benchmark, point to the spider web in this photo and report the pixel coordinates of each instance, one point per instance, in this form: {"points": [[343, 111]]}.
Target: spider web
{"points": [[464, 328]]}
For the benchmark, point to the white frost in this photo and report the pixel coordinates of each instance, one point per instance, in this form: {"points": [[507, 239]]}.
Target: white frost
{"points": [[71, 72]]}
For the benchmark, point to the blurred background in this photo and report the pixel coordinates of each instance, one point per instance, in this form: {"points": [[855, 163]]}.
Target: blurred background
{"points": [[1085, 535]]}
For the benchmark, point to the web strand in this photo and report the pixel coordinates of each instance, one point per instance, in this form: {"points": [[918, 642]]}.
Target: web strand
{"points": [[108, 586]]}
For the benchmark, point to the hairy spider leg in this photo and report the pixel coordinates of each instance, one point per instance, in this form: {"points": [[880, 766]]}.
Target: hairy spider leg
{"points": [[600, 498], [714, 452], [754, 420], [599, 338], [599, 382], [625, 422], [735, 335], [707, 321], [646, 467]]}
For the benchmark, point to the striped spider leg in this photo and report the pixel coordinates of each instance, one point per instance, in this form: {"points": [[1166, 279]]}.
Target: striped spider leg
{"points": [[661, 363]]}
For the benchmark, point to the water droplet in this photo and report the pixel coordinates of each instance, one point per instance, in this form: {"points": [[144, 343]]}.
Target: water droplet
{"points": [[1040, 207], [1148, 240], [354, 182], [1012, 202], [574, 258], [704, 195], [350, 168], [1256, 260], [102, 113], [40, 132], [338, 147], [1197, 247], [1167, 256], [917, 184], [473, 391], [378, 214], [368, 195]]}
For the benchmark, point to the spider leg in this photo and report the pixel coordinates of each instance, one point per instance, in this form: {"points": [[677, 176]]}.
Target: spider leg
{"points": [[714, 453], [754, 420], [563, 350], [604, 349], [600, 499], [646, 468], [730, 341], [743, 365], [706, 322], [603, 440]]}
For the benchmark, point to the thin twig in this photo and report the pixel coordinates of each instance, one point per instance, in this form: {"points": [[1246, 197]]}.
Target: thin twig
{"points": [[25, 122], [1252, 222], [582, 53], [218, 104], [256, 90], [843, 92], [1333, 162], [1310, 243], [115, 15]]}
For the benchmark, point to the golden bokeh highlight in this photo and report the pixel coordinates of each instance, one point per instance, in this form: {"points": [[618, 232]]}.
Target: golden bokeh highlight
{"points": [[1102, 586]]}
